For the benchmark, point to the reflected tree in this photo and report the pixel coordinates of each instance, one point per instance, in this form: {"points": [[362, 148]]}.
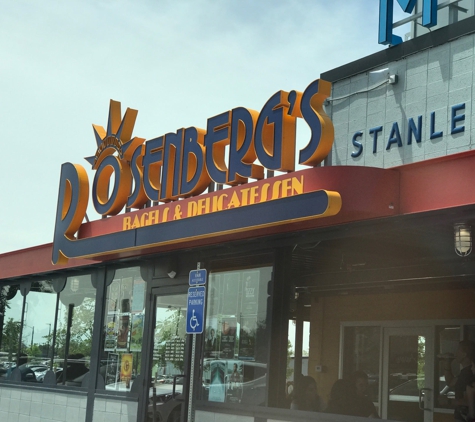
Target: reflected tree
{"points": [[167, 331], [81, 330], [11, 337]]}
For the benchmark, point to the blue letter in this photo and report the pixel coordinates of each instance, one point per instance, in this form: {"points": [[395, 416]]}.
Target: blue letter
{"points": [[455, 119], [194, 177], [242, 153], [172, 158], [274, 137], [216, 140], [386, 36], [374, 131], [412, 130], [433, 134], [137, 197], [152, 166], [322, 136], [357, 144], [394, 137]]}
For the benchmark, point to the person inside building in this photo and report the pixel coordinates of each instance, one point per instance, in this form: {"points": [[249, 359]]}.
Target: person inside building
{"points": [[464, 379], [363, 404], [342, 398], [26, 373], [75, 370], [305, 395]]}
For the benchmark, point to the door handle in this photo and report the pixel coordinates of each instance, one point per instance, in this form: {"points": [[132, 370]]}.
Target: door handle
{"points": [[421, 399]]}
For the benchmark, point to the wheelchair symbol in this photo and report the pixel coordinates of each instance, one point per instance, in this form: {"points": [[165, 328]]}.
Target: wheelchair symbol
{"points": [[194, 321]]}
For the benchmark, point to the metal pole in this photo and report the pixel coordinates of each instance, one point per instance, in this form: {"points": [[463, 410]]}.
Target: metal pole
{"points": [[154, 403], [68, 339], [21, 330], [49, 339], [178, 322], [55, 326], [32, 335], [191, 413]]}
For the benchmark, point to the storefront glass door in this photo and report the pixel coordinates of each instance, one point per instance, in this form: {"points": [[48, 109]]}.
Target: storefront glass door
{"points": [[168, 357], [407, 393]]}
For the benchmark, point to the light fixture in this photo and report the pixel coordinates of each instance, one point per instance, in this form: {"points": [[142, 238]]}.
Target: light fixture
{"points": [[172, 267], [74, 285], [462, 239]]}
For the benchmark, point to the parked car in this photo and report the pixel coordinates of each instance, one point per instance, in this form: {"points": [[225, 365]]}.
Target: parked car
{"points": [[409, 390]]}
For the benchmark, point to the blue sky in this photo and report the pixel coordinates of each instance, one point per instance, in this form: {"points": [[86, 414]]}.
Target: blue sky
{"points": [[177, 62]]}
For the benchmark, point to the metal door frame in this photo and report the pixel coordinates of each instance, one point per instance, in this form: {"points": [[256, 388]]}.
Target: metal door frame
{"points": [[429, 333], [147, 357]]}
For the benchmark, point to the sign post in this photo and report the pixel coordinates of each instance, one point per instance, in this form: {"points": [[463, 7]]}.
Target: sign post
{"points": [[195, 316]]}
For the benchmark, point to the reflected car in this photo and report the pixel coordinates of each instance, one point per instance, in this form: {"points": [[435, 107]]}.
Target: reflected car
{"points": [[409, 390]]}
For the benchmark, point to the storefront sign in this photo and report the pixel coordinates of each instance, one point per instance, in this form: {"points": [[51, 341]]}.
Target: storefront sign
{"points": [[173, 168], [456, 118], [386, 8]]}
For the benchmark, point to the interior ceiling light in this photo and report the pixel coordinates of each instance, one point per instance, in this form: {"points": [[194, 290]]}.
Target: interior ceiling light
{"points": [[462, 239], [75, 285]]}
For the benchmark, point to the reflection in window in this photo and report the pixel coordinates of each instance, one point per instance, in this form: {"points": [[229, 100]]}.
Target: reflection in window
{"points": [[38, 325], [169, 337], [236, 337], [448, 338], [74, 330], [123, 329], [29, 345], [361, 353], [469, 332], [11, 303]]}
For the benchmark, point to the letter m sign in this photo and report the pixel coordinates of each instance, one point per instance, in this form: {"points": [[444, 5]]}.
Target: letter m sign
{"points": [[386, 8]]}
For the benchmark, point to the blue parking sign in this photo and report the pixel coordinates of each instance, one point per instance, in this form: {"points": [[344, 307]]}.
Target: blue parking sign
{"points": [[195, 309], [197, 277]]}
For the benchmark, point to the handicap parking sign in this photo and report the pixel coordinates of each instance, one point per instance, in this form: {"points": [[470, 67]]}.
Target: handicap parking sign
{"points": [[195, 310]]}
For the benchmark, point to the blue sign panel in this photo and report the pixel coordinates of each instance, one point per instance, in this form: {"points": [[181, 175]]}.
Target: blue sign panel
{"points": [[195, 310], [197, 277], [386, 36]]}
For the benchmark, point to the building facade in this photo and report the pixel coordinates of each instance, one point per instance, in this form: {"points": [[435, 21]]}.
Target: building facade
{"points": [[361, 263]]}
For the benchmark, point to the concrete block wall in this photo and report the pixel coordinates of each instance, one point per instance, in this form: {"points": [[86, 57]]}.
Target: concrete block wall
{"points": [[107, 410], [17, 405], [38, 405], [433, 80], [202, 416]]}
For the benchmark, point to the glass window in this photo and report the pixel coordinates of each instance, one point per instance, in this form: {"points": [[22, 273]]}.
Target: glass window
{"points": [[447, 341], [124, 313], [361, 353], [469, 332], [38, 325], [168, 349], [74, 330], [236, 337], [11, 303], [32, 340], [43, 343]]}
